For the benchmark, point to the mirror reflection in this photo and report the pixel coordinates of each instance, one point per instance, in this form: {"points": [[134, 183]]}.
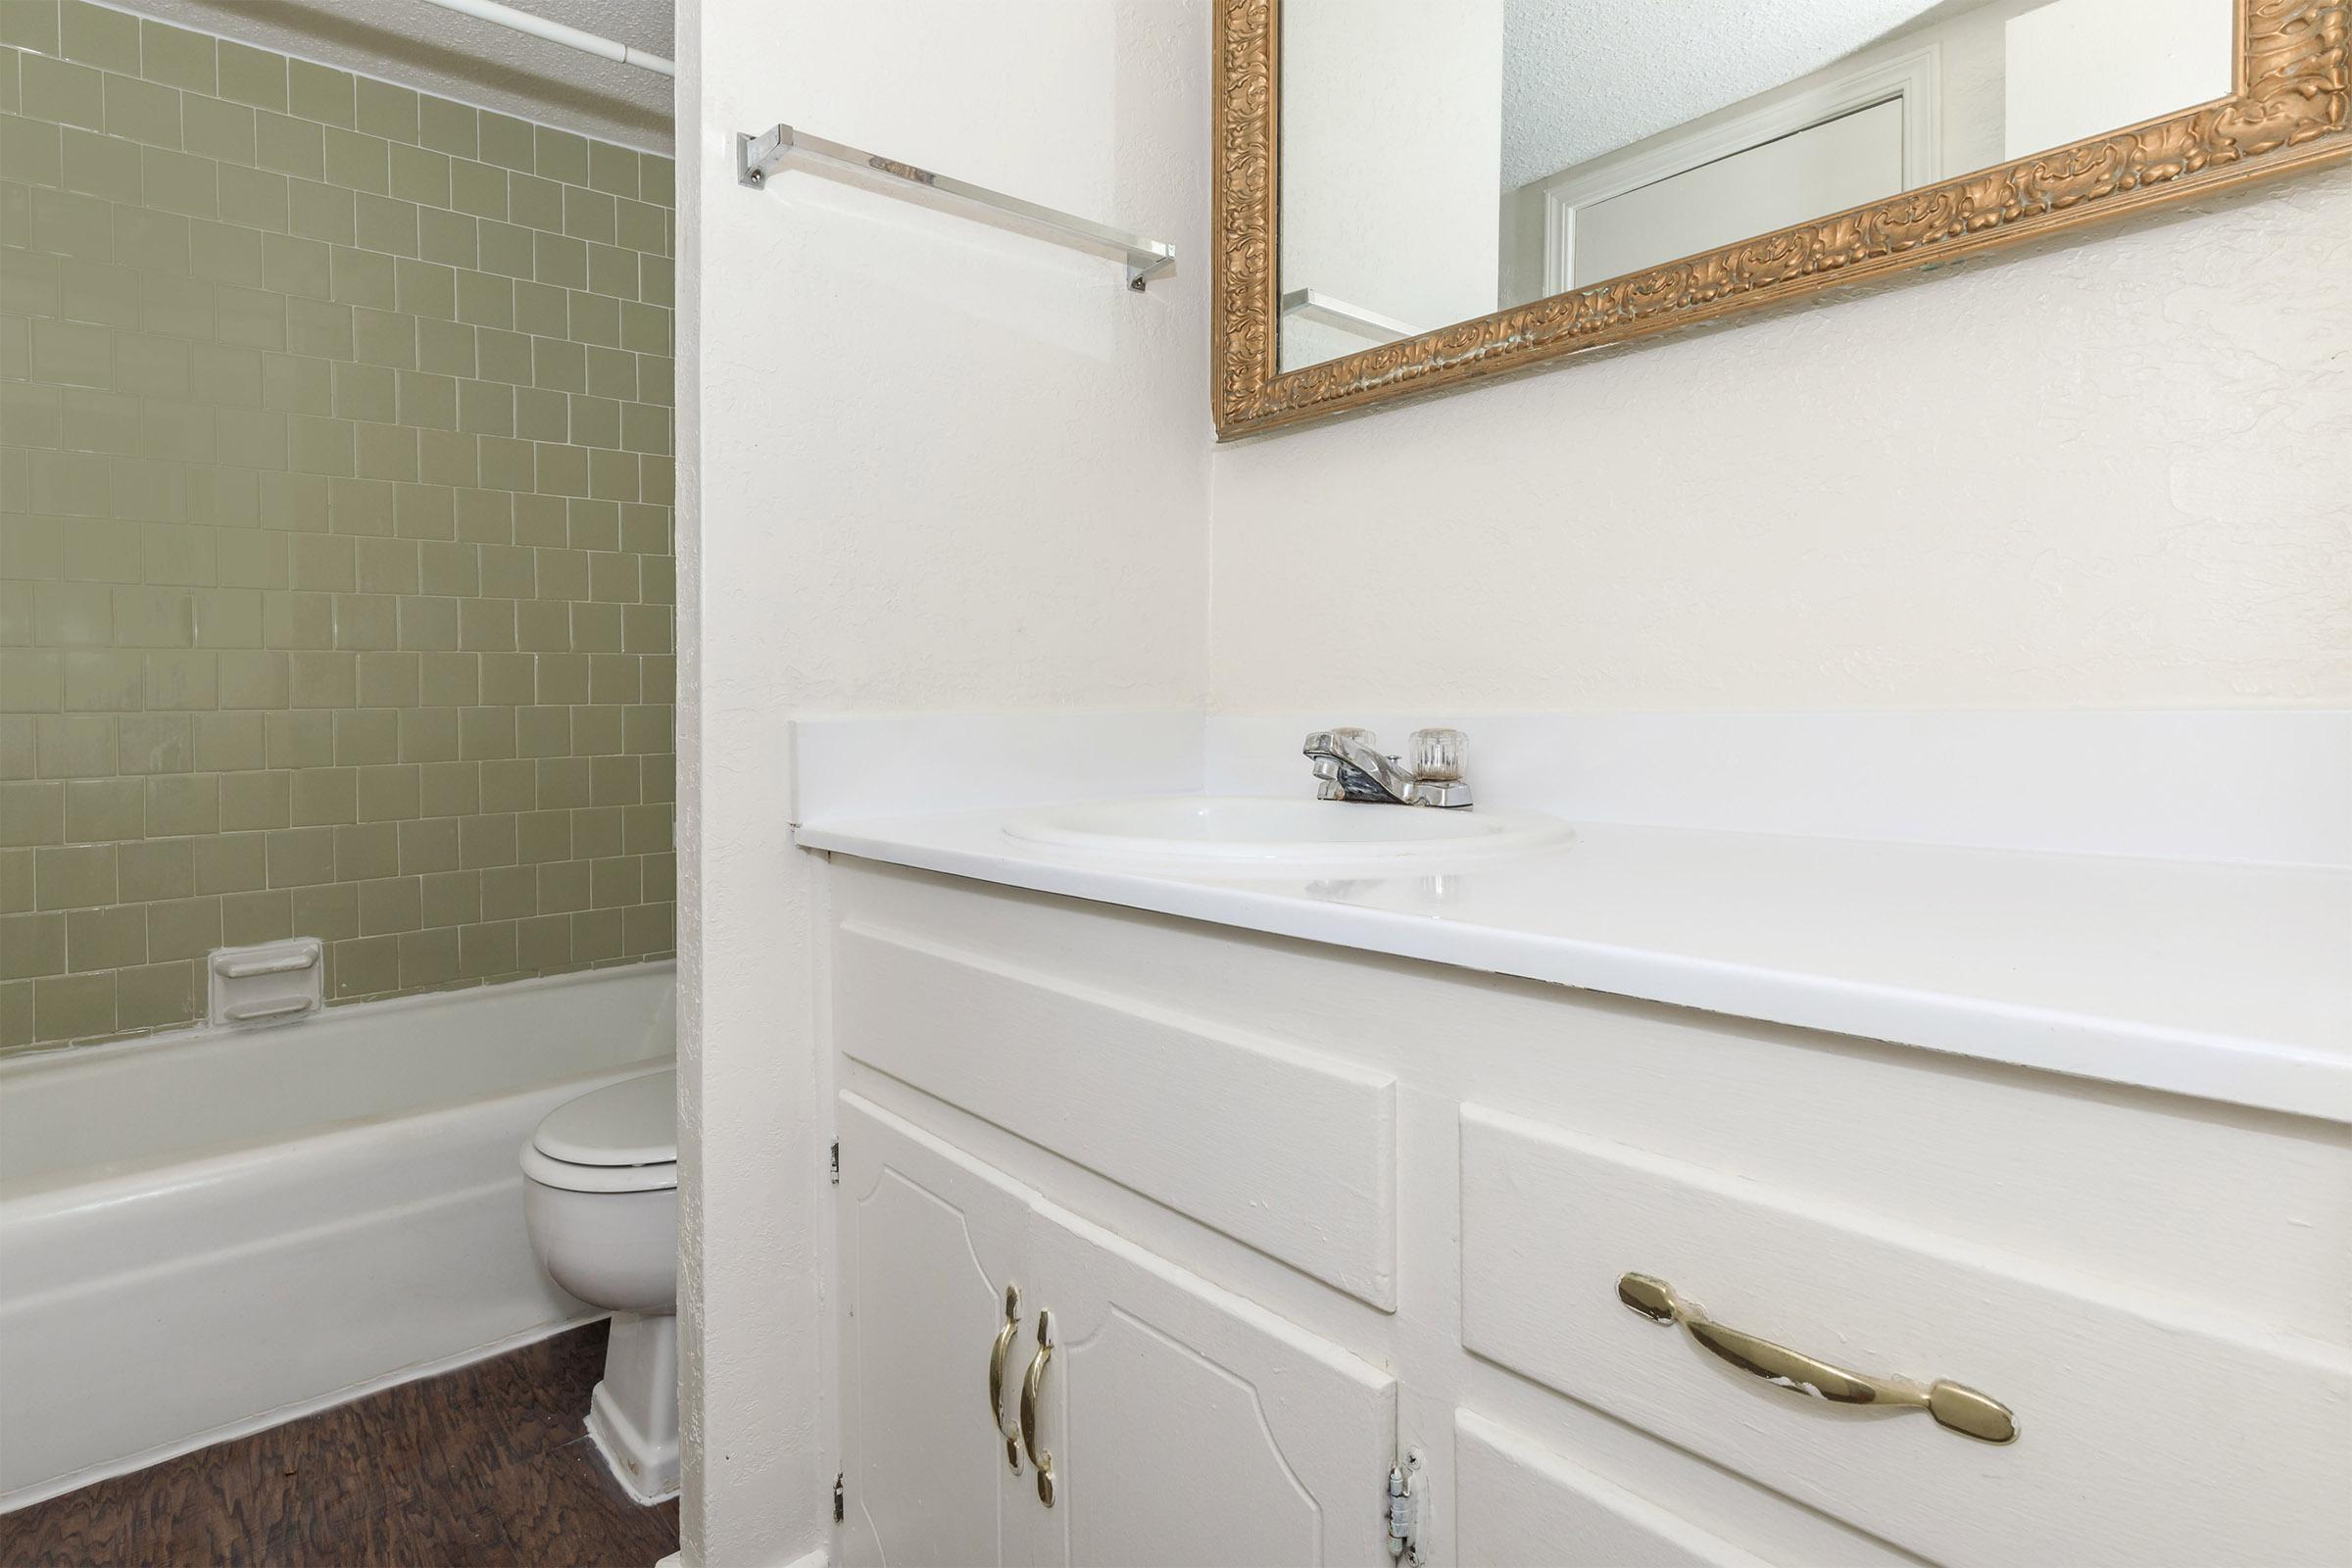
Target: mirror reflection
{"points": [[1444, 158]]}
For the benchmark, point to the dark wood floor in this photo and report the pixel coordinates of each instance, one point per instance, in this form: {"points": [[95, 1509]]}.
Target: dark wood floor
{"points": [[484, 1465]]}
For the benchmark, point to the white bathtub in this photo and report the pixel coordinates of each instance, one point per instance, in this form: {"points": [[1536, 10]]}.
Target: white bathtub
{"points": [[206, 1232]]}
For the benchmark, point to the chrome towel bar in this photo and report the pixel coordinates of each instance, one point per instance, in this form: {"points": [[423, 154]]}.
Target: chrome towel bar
{"points": [[757, 157]]}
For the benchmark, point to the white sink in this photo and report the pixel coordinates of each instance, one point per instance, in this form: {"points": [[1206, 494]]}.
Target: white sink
{"points": [[1244, 830]]}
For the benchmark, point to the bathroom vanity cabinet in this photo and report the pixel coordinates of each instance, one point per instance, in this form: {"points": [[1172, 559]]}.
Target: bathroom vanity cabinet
{"points": [[1300, 1215]]}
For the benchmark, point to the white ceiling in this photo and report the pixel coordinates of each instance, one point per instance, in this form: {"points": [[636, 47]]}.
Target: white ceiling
{"points": [[479, 63], [1582, 77]]}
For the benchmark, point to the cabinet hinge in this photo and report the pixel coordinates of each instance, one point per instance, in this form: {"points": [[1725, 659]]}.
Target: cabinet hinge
{"points": [[1408, 1509], [836, 1168], [837, 1500]]}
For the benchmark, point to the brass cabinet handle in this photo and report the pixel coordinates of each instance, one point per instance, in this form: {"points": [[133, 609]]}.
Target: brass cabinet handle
{"points": [[1029, 1388], [996, 1376], [1963, 1409]]}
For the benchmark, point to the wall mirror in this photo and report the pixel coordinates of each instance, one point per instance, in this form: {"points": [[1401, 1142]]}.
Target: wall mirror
{"points": [[1414, 193]]}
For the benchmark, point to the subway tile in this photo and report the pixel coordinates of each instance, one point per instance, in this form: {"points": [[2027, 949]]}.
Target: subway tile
{"points": [[366, 736], [328, 214], [366, 965], [650, 929], [563, 887], [509, 784], [253, 76], [182, 928], [535, 203], [486, 950], [478, 190], [178, 58], [249, 917], [32, 24], [382, 109], [562, 155], [72, 354], [387, 224], [508, 679], [287, 146], [598, 935], [642, 228], [542, 310], [329, 913], [105, 166], [506, 141], [429, 957], [612, 170], [510, 250], [179, 803], [429, 844], [418, 175], [181, 182], [63, 92], [255, 801], [312, 414], [386, 452], [226, 741], [324, 796], [503, 356], [539, 520], [358, 162], [445, 238], [485, 300], [450, 789], [107, 681], [97, 36], [304, 739], [213, 128], [321, 93], [99, 808], [71, 225], [31, 153], [76, 877], [447, 127], [71, 1007], [301, 856], [32, 944], [157, 995]]}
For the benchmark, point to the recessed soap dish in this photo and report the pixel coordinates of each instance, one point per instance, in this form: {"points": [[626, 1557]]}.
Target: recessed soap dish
{"points": [[271, 982]]}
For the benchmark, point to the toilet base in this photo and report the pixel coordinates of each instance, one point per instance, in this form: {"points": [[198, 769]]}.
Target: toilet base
{"points": [[633, 1415]]}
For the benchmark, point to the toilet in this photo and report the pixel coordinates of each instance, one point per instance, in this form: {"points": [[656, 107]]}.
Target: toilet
{"points": [[601, 1201]]}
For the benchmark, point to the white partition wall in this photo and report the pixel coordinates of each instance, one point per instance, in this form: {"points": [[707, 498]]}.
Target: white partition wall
{"points": [[932, 466]]}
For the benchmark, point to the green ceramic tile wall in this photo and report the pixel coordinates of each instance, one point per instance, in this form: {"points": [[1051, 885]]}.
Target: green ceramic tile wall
{"points": [[336, 588]]}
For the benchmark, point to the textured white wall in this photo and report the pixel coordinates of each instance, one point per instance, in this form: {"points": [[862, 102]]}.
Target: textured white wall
{"points": [[2111, 474], [939, 467]]}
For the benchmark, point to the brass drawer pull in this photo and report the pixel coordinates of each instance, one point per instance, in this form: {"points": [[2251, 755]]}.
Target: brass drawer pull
{"points": [[1029, 1390], [996, 1376], [1963, 1409]]}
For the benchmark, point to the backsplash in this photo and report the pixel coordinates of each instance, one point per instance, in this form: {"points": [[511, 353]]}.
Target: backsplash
{"points": [[336, 587]]}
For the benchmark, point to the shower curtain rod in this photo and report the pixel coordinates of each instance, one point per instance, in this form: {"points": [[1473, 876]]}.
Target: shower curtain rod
{"points": [[557, 33]]}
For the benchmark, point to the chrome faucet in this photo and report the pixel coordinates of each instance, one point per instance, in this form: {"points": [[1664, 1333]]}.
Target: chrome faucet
{"points": [[1348, 766]]}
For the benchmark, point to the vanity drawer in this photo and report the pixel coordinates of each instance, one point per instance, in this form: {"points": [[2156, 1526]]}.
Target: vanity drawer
{"points": [[1521, 1505], [2132, 1412], [1303, 1147]]}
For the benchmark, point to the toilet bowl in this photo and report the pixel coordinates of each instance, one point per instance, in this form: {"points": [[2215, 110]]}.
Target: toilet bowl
{"points": [[600, 1202]]}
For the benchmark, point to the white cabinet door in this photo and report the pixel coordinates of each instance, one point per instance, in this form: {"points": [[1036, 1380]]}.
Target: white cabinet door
{"points": [[1188, 1426], [930, 1240]]}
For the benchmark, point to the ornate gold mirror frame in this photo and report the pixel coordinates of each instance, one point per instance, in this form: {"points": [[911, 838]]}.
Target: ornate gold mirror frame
{"points": [[2288, 111]]}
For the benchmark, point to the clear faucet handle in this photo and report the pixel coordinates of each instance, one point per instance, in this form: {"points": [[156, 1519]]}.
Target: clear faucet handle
{"points": [[1362, 737], [1437, 755]]}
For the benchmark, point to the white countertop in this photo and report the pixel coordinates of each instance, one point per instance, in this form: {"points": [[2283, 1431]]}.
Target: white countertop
{"points": [[2227, 982]]}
